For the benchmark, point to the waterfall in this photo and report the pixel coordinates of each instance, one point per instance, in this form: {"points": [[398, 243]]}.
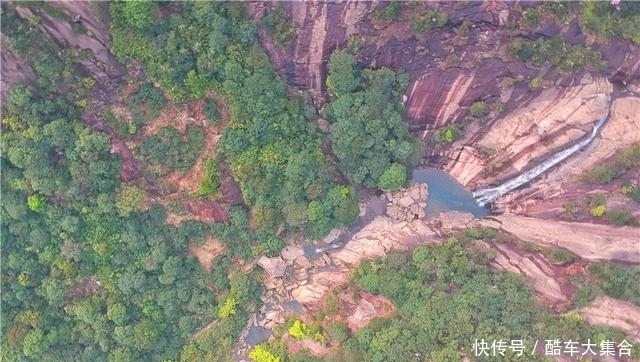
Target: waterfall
{"points": [[490, 194]]}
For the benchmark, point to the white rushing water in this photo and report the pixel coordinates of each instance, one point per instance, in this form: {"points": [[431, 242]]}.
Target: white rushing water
{"points": [[490, 194]]}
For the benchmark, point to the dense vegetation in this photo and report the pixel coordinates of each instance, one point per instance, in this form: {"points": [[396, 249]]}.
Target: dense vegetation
{"points": [[86, 276], [446, 296], [166, 151], [568, 58], [617, 281], [273, 149], [92, 272], [280, 27], [368, 135], [603, 20]]}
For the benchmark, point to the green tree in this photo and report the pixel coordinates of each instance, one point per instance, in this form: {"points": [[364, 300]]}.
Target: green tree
{"points": [[35, 343], [36, 202], [117, 313], [393, 178], [344, 74], [139, 14], [130, 199]]}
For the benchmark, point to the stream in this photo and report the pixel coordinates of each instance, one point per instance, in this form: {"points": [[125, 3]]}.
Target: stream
{"points": [[488, 195]]}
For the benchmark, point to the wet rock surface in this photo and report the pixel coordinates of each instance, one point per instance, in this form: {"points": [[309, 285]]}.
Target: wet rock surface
{"points": [[553, 120]]}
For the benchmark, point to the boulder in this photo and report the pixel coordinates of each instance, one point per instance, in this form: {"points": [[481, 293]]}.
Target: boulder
{"points": [[301, 274], [303, 262], [405, 201], [414, 193], [274, 266], [291, 252]]}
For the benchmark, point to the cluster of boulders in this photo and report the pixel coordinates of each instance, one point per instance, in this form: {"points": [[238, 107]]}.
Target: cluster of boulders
{"points": [[285, 272], [407, 204]]}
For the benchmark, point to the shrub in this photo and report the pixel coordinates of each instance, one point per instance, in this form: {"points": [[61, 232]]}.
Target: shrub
{"points": [[602, 174], [598, 17], [447, 134], [617, 281], [210, 180], [298, 330], [130, 198], [606, 173], [568, 58], [431, 19], [388, 13], [228, 308], [535, 83], [338, 332], [559, 9], [570, 209], [598, 210], [632, 191], [485, 233], [560, 256], [479, 109], [211, 111], [532, 17], [279, 26], [261, 354], [332, 305], [146, 104], [621, 217], [36, 202]]}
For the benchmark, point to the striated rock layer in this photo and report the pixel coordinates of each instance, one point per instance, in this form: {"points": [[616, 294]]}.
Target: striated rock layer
{"points": [[589, 241], [614, 313], [552, 121]]}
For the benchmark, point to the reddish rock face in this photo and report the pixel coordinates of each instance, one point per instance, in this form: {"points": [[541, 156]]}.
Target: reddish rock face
{"points": [[208, 210], [449, 71], [230, 189]]}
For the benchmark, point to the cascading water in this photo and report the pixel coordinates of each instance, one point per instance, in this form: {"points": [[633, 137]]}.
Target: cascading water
{"points": [[490, 194]]}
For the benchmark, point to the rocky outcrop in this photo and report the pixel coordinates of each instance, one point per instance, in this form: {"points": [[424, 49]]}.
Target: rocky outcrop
{"points": [[208, 210], [536, 269], [621, 131], [553, 120], [448, 70], [307, 281], [409, 203], [359, 312], [12, 71], [207, 252], [614, 313], [274, 266], [381, 236], [589, 241]]}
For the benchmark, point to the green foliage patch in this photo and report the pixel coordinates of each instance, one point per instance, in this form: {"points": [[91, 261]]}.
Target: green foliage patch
{"points": [[568, 58], [447, 135], [445, 299], [167, 150], [146, 104], [604, 174], [601, 19], [368, 134], [280, 27], [617, 280], [389, 12], [429, 20]]}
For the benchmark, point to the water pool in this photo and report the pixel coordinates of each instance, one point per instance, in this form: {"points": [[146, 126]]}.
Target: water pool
{"points": [[446, 194]]}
